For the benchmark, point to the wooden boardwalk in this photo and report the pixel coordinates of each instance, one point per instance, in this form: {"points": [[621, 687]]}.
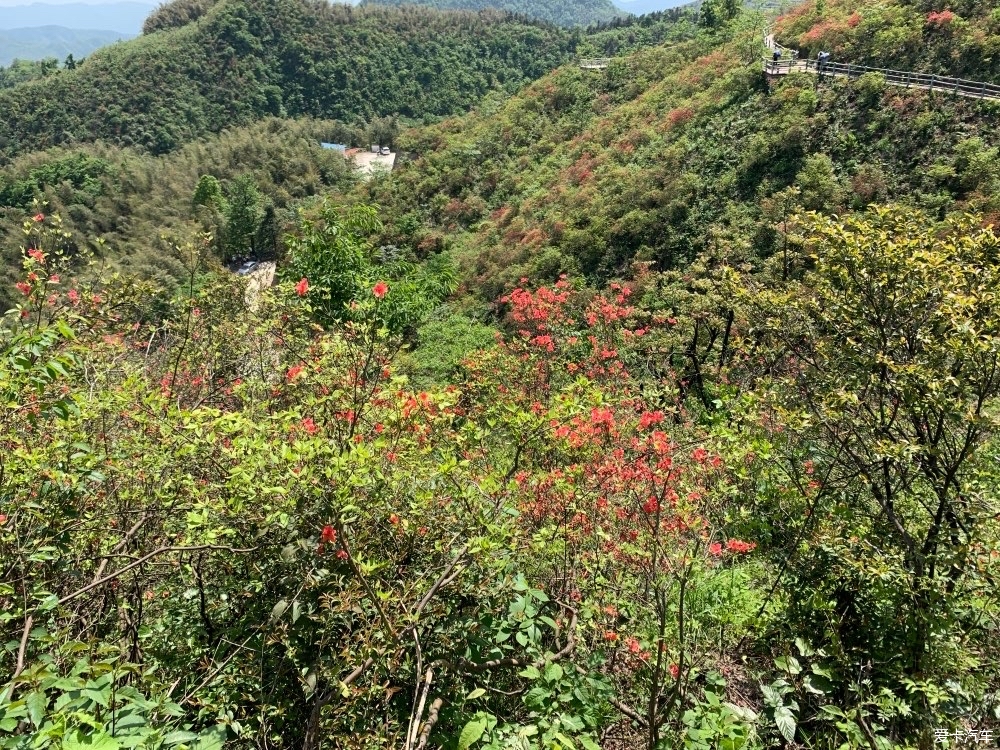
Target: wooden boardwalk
{"points": [[909, 79], [595, 63]]}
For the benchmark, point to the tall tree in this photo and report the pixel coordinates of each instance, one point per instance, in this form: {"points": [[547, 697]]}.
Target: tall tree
{"points": [[244, 214], [887, 356]]}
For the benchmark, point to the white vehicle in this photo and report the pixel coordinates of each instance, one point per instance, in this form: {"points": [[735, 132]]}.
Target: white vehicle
{"points": [[247, 267], [385, 151]]}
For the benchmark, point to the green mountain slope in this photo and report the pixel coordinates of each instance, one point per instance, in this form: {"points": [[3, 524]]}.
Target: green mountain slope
{"points": [[562, 12], [247, 59], [676, 152], [135, 210]]}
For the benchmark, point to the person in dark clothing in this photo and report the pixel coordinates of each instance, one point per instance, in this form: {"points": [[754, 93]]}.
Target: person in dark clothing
{"points": [[776, 56]]}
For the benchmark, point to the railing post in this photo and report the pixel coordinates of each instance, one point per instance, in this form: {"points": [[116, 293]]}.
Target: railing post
{"points": [[982, 93]]}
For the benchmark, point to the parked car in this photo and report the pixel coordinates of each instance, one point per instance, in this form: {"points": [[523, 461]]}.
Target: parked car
{"points": [[385, 151], [247, 267]]}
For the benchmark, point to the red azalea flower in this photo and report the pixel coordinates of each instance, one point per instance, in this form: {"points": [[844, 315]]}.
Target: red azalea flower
{"points": [[342, 555], [39, 217], [735, 545], [302, 287], [393, 519], [3, 519], [23, 287], [633, 645], [73, 295], [380, 289], [329, 534], [293, 372], [36, 255], [674, 671], [309, 426], [715, 549], [610, 635]]}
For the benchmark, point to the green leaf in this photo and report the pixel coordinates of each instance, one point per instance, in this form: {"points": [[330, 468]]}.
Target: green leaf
{"points": [[278, 610], [83, 740], [477, 693], [176, 738], [833, 711], [821, 671], [36, 703], [572, 723], [211, 739], [471, 733], [788, 664], [98, 696], [553, 672], [785, 721], [530, 672], [771, 696], [565, 741]]}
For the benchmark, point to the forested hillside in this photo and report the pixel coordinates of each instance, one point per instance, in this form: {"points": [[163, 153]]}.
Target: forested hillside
{"points": [[672, 153], [133, 208], [561, 12], [138, 211], [248, 59]]}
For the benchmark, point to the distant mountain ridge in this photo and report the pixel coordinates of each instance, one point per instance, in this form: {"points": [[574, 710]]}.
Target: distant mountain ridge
{"points": [[560, 12], [122, 17], [40, 42], [642, 7]]}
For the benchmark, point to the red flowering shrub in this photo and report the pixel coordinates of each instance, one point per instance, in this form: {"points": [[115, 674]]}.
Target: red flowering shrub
{"points": [[941, 18], [680, 116]]}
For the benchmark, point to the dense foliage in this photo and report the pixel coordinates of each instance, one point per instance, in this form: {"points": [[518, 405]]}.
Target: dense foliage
{"points": [[677, 513], [651, 407], [673, 152], [244, 60], [561, 12], [135, 210], [953, 39]]}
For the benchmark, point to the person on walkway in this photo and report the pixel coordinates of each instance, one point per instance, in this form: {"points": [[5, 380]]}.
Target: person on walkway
{"points": [[776, 56], [821, 60]]}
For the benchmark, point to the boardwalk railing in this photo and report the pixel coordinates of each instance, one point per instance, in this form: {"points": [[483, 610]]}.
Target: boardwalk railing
{"points": [[595, 63], [959, 86]]}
